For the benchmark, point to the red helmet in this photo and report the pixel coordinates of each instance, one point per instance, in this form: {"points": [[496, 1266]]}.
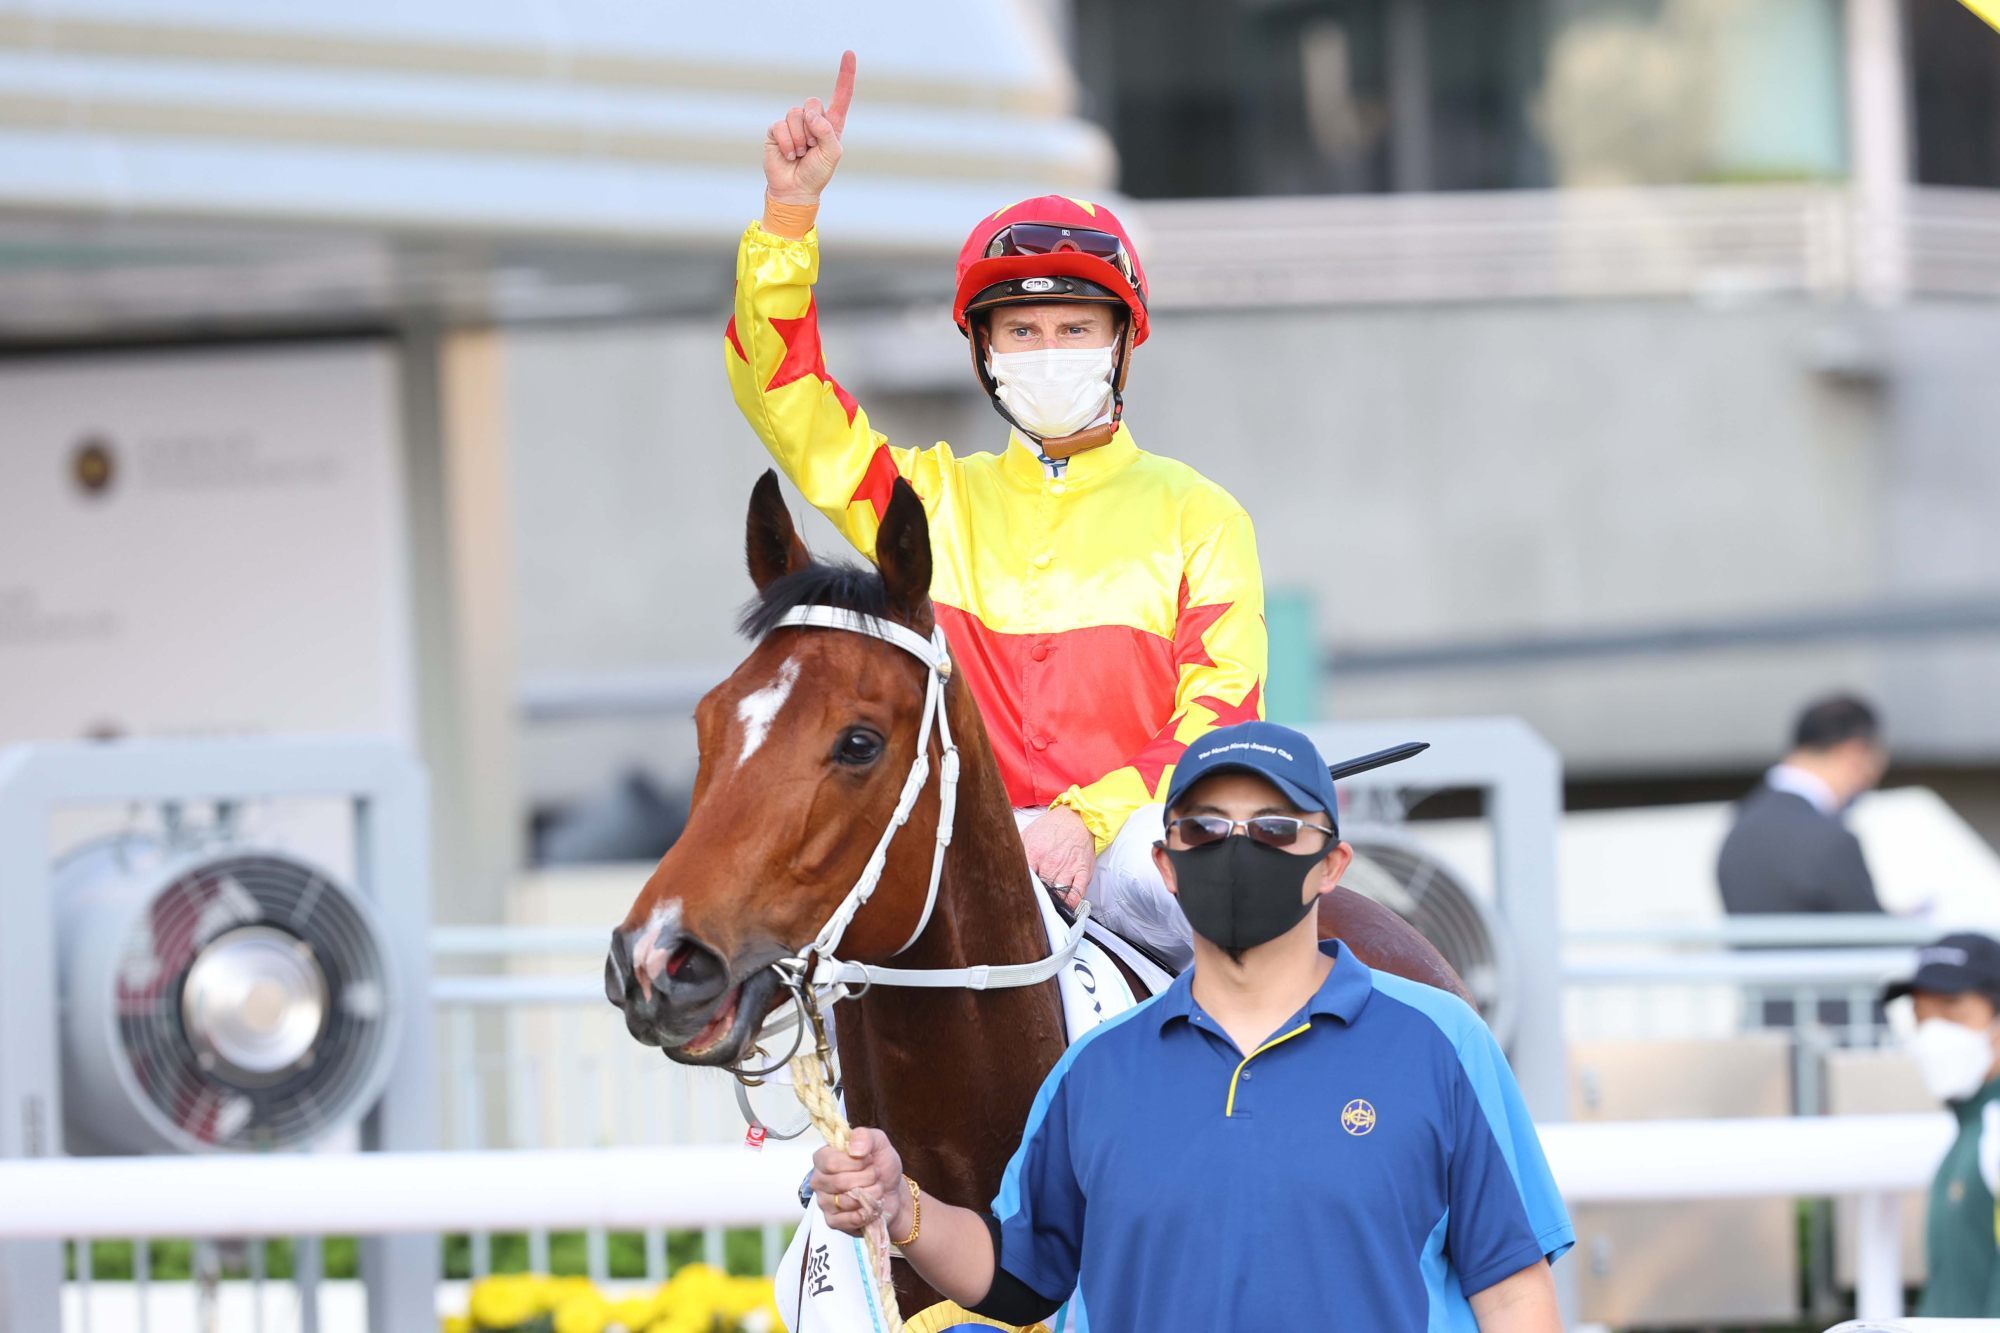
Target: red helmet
{"points": [[1012, 256]]}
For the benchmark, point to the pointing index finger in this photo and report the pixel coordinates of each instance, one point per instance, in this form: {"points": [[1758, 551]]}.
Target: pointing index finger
{"points": [[843, 92]]}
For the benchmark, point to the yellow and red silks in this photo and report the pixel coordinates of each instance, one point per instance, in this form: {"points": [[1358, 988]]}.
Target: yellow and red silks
{"points": [[1103, 619]]}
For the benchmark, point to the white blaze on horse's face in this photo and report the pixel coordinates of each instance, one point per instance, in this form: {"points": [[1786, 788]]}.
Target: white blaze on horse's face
{"points": [[759, 710], [656, 943]]}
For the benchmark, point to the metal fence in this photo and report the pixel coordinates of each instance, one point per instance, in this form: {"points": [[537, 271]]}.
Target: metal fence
{"points": [[534, 1063], [1713, 243], [1873, 1159], [532, 1057]]}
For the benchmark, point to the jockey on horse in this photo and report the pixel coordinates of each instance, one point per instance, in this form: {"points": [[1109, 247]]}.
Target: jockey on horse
{"points": [[1103, 604]]}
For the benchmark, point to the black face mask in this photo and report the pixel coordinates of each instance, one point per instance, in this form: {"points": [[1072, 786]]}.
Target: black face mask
{"points": [[1238, 894]]}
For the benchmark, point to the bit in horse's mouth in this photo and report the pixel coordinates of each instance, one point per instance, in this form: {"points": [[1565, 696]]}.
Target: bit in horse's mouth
{"points": [[717, 1029], [733, 1025]]}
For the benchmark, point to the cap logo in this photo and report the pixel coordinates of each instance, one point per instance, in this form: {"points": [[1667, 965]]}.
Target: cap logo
{"points": [[1038, 284], [1944, 954], [1245, 745]]}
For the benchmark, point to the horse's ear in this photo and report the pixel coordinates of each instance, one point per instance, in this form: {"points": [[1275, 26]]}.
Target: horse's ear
{"points": [[771, 542], [903, 554]]}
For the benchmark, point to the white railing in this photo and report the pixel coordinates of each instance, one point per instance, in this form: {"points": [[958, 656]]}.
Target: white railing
{"points": [[533, 1062], [1874, 1159], [1719, 242]]}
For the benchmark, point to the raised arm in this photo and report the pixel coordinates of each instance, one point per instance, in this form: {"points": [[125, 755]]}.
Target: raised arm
{"points": [[777, 368]]}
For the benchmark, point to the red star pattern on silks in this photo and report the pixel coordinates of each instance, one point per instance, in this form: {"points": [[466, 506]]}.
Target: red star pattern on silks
{"points": [[804, 356], [736, 342], [1228, 714], [877, 483], [1161, 753], [1191, 626]]}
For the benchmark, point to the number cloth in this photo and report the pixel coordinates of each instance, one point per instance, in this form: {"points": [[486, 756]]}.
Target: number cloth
{"points": [[1369, 1166], [1104, 611]]}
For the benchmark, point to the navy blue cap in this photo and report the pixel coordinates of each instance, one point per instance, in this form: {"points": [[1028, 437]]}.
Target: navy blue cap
{"points": [[1279, 755], [1952, 966]]}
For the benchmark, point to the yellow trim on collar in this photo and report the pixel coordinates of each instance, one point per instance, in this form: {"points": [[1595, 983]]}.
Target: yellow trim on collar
{"points": [[1229, 1107], [945, 1315]]}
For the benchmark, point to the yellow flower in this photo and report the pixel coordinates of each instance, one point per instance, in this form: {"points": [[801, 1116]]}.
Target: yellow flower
{"points": [[582, 1311], [634, 1313], [740, 1295], [455, 1323], [684, 1319], [506, 1299], [696, 1284]]}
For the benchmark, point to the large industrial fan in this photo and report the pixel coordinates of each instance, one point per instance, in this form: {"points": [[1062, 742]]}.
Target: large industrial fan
{"points": [[1392, 867], [180, 989], [216, 997]]}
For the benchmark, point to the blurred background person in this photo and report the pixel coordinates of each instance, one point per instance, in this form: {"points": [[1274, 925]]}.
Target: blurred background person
{"points": [[1955, 992], [1789, 849]]}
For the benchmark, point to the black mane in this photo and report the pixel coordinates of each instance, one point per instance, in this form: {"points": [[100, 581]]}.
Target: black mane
{"points": [[850, 587]]}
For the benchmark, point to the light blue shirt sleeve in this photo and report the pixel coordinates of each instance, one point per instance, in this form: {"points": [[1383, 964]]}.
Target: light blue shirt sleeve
{"points": [[1499, 1099], [1040, 1205]]}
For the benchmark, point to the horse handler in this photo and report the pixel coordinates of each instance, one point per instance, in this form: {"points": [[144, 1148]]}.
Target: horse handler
{"points": [[1104, 604], [1283, 1139]]}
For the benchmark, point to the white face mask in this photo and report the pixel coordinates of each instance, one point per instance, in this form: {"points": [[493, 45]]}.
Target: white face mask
{"points": [[1054, 391], [1953, 1058]]}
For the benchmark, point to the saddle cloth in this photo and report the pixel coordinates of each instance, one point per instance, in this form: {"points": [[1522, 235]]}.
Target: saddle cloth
{"points": [[822, 1282]]}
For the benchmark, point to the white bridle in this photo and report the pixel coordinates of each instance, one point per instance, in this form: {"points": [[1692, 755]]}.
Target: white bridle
{"points": [[828, 970]]}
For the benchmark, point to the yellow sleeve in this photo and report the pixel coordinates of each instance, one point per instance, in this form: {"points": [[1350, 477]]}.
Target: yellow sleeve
{"points": [[815, 430], [1221, 654]]}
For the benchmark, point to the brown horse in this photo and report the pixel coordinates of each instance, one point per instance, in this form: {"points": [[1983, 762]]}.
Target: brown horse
{"points": [[804, 750]]}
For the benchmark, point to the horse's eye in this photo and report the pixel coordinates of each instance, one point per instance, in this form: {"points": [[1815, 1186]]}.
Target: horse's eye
{"points": [[858, 748]]}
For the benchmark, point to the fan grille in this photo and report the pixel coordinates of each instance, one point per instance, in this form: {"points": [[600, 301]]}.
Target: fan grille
{"points": [[1416, 886], [209, 1105]]}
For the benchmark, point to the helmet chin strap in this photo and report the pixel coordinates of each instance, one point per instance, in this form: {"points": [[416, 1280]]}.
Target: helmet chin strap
{"points": [[1068, 446], [1058, 447]]}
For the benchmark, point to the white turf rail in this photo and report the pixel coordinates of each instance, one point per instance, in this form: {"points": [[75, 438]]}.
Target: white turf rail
{"points": [[634, 1188], [368, 1193]]}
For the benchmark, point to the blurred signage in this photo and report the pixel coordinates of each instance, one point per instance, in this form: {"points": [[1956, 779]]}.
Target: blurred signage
{"points": [[205, 542]]}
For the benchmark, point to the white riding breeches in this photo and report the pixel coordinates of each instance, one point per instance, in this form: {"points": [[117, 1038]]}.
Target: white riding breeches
{"points": [[1126, 892]]}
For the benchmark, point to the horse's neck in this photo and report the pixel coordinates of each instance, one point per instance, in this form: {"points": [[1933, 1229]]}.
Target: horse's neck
{"points": [[950, 1074]]}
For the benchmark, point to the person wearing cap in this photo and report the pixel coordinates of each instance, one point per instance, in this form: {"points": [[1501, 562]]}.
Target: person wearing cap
{"points": [[1282, 1139], [1955, 992], [1104, 604]]}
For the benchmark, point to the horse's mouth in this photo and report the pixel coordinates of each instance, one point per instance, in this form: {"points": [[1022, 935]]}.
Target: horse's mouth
{"points": [[737, 1014]]}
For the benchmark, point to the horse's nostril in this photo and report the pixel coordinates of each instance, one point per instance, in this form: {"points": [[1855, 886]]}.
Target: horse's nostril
{"points": [[614, 984], [695, 974]]}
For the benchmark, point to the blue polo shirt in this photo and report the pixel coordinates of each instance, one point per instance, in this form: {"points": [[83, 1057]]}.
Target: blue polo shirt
{"points": [[1368, 1167]]}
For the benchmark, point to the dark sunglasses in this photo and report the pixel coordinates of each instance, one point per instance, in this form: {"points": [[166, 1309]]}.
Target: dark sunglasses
{"points": [[1041, 238], [1270, 830]]}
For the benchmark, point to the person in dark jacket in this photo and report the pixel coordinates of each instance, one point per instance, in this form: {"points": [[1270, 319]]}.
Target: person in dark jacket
{"points": [[1789, 850], [1955, 990]]}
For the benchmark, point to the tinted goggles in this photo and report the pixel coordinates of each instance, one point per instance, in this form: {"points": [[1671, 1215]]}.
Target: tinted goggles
{"points": [[1041, 238]]}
